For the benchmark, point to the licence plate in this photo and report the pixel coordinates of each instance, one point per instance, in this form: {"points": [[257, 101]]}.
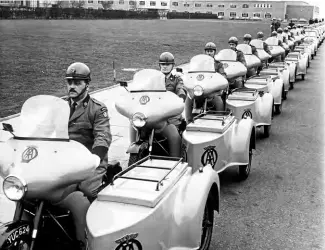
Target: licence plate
{"points": [[22, 230]]}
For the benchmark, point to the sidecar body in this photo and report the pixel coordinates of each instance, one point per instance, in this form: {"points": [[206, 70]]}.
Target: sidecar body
{"points": [[301, 61], [254, 104]]}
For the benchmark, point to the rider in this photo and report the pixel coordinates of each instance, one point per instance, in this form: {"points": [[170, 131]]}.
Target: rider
{"points": [[279, 43], [210, 49], [88, 125], [283, 40], [238, 82], [173, 83], [247, 39]]}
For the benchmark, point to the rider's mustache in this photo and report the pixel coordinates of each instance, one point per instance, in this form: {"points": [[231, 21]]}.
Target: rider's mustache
{"points": [[72, 90]]}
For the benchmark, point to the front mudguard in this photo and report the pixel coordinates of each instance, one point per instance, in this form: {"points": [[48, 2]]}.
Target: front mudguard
{"points": [[275, 88], [202, 186], [264, 106], [13, 232], [242, 136], [136, 147]]}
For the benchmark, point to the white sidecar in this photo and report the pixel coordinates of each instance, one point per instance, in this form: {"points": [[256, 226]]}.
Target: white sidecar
{"points": [[301, 62], [251, 103]]}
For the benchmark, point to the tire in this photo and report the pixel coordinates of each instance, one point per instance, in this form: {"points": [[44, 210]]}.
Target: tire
{"points": [[207, 226], [303, 77], [312, 56], [267, 129], [284, 94], [244, 171], [291, 85], [278, 108]]}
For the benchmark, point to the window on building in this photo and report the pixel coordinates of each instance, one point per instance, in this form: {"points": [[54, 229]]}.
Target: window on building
{"points": [[233, 6], [209, 5], [90, 1], [244, 14], [197, 5], [131, 2], [152, 3], [221, 6], [186, 5], [121, 1], [221, 14], [232, 14], [175, 3], [209, 12], [163, 3], [268, 15], [270, 5], [264, 5], [142, 2], [257, 15], [245, 6], [254, 5]]}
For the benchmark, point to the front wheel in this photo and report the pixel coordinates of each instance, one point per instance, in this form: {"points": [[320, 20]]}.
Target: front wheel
{"points": [[246, 169], [207, 226]]}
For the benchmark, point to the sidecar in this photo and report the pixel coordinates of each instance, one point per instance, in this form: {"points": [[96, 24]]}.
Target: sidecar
{"points": [[232, 67], [290, 66], [301, 62], [126, 212], [251, 103], [219, 139], [304, 50], [268, 83]]}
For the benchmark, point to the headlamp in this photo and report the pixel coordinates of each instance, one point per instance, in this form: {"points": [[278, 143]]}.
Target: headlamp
{"points": [[198, 90], [14, 188], [138, 120]]}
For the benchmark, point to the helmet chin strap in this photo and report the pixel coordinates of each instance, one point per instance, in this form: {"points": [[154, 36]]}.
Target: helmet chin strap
{"points": [[77, 98]]}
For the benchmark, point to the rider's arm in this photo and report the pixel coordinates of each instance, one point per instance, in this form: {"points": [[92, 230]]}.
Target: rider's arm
{"points": [[241, 58], [102, 132], [254, 50], [219, 68], [266, 48], [179, 88]]}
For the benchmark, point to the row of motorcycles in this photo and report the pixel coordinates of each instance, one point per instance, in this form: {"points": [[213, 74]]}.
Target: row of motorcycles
{"points": [[38, 162]]}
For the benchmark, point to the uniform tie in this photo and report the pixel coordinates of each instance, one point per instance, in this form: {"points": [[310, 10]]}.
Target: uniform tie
{"points": [[73, 108]]}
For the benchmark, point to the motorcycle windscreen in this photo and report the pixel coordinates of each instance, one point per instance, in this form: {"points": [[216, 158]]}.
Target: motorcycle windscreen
{"points": [[257, 43], [234, 69], [226, 55], [209, 82], [245, 48], [148, 80], [44, 116], [201, 63], [157, 107]]}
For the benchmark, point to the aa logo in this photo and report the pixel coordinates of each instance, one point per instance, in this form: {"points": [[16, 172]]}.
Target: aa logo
{"points": [[128, 242], [29, 154], [210, 156], [247, 113], [144, 99]]}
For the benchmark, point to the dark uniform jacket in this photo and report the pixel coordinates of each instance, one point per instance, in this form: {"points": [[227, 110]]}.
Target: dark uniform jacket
{"points": [[90, 126], [254, 50], [266, 48], [175, 84], [219, 68], [241, 57]]}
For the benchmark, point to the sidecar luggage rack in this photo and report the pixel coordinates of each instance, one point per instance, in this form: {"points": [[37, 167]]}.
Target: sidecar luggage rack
{"points": [[150, 157], [214, 115]]}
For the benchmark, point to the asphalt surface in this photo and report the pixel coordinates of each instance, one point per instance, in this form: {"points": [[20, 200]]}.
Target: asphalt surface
{"points": [[281, 204]]}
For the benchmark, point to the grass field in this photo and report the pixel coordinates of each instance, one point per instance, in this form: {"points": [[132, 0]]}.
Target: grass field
{"points": [[35, 53]]}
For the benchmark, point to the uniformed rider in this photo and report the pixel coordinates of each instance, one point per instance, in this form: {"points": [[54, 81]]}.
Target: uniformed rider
{"points": [[88, 124], [260, 36], [210, 49], [247, 39], [173, 83], [237, 82], [279, 58]]}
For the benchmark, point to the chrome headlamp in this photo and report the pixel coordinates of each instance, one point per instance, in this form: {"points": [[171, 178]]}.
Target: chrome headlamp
{"points": [[14, 187], [198, 90], [138, 120]]}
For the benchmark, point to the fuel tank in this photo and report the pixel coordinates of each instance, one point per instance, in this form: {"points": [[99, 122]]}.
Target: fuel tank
{"points": [[232, 67], [148, 95]]}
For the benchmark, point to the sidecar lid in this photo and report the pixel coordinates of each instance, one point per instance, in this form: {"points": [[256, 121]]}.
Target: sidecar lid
{"points": [[146, 182], [212, 121], [262, 79], [244, 94]]}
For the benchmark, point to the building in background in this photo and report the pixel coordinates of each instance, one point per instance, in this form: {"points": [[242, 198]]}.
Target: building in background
{"points": [[228, 9]]}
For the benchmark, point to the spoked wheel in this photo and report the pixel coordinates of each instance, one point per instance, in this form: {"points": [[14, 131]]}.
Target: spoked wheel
{"points": [[207, 226], [246, 169]]}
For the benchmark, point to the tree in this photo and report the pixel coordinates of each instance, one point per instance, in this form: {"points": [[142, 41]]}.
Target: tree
{"points": [[77, 4]]}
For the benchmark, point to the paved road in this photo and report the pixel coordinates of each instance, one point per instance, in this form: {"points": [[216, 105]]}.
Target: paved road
{"points": [[281, 204]]}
